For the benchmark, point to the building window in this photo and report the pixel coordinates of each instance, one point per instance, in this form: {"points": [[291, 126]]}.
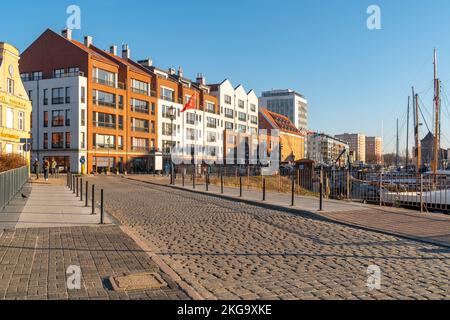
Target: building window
{"points": [[67, 117], [83, 94], [104, 77], [104, 141], [253, 107], [241, 104], [166, 129], [82, 140], [45, 119], [10, 86], [211, 122], [45, 146], [57, 95], [120, 142], [120, 102], [229, 113], [153, 110], [140, 125], [254, 119], [139, 144], [25, 77], [228, 99], [121, 122], [30, 95], [167, 94], [21, 121], [57, 140], [190, 118], [242, 128], [67, 94], [139, 87], [58, 73], [74, 71], [210, 107], [9, 118], [242, 116], [104, 120], [45, 97], [139, 106], [153, 126], [36, 75], [67, 140], [83, 117], [58, 118], [229, 125], [104, 98]]}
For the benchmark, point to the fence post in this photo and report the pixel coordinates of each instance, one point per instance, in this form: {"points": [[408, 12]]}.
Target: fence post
{"points": [[293, 189], [93, 199], [264, 188], [381, 189], [207, 181], [101, 206], [240, 185], [81, 189], [86, 197], [321, 189], [421, 193], [74, 184], [348, 184], [77, 186], [193, 178]]}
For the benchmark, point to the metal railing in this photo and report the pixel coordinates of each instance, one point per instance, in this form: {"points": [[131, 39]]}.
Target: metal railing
{"points": [[12, 182]]}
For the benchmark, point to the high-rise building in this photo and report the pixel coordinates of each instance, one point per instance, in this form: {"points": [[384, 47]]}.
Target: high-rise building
{"points": [[357, 144], [15, 106], [328, 150], [374, 150], [92, 109], [288, 103]]}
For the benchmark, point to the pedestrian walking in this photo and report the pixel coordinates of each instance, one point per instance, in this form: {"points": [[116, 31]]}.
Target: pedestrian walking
{"points": [[46, 167], [54, 165], [36, 168]]}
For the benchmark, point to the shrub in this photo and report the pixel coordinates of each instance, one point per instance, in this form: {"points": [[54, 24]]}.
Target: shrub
{"points": [[11, 161]]}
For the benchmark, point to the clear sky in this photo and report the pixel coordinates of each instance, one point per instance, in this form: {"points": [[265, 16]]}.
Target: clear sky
{"points": [[354, 78]]}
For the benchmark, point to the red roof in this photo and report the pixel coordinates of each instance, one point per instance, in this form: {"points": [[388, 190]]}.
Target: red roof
{"points": [[280, 122]]}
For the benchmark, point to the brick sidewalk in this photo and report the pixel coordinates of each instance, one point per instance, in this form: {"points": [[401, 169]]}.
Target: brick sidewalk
{"points": [[429, 227], [33, 264]]}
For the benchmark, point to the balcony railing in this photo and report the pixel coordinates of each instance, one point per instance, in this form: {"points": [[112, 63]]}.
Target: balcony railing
{"points": [[139, 91], [105, 125], [104, 146], [64, 75], [140, 109], [58, 100], [105, 82], [171, 99], [140, 129], [104, 103], [211, 125], [142, 149]]}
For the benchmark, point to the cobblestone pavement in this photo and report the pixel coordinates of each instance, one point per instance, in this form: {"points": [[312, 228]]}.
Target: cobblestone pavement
{"points": [[229, 250], [33, 264]]}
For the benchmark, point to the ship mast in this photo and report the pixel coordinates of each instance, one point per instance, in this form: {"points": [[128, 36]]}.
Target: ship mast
{"points": [[418, 152], [437, 104]]}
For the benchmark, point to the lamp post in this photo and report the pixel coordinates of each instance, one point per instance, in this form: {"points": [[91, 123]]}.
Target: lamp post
{"points": [[172, 117]]}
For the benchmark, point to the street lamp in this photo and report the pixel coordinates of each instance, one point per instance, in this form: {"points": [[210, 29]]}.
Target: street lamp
{"points": [[172, 116]]}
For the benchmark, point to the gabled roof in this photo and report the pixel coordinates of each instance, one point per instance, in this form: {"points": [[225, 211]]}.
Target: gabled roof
{"points": [[92, 52], [280, 122]]}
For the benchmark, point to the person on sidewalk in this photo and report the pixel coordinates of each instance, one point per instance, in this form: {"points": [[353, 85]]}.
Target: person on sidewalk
{"points": [[36, 168], [54, 165], [46, 166]]}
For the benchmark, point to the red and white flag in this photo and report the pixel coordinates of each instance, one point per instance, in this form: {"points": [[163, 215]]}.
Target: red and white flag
{"points": [[190, 105]]}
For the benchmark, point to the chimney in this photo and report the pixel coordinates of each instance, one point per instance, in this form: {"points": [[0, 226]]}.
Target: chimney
{"points": [[67, 33], [126, 52], [171, 71], [87, 41], [201, 79], [146, 62], [180, 72], [113, 50]]}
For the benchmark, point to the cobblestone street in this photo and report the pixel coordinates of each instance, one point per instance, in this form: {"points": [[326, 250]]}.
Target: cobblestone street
{"points": [[230, 250]]}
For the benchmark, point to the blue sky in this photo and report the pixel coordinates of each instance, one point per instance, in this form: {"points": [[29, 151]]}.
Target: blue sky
{"points": [[354, 78]]}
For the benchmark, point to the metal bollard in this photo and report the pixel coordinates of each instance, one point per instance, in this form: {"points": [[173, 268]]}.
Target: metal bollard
{"points": [[73, 183], [182, 176], [264, 189], [77, 187], [240, 186], [101, 206], [93, 199], [207, 181], [221, 182], [193, 180], [81, 189], [293, 191], [86, 197], [321, 192]]}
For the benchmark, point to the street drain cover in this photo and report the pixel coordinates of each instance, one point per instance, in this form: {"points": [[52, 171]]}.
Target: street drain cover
{"points": [[142, 281]]}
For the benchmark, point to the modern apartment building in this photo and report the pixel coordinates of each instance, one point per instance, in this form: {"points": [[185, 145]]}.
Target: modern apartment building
{"points": [[90, 105], [292, 140], [15, 106], [288, 103], [374, 150], [357, 144], [328, 150]]}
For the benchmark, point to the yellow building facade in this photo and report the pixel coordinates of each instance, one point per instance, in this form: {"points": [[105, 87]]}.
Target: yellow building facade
{"points": [[15, 106]]}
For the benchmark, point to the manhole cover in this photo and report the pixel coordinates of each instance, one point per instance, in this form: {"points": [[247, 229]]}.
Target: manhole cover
{"points": [[141, 281]]}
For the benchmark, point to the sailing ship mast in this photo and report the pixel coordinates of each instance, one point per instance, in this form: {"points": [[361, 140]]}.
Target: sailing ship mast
{"points": [[418, 152], [437, 104]]}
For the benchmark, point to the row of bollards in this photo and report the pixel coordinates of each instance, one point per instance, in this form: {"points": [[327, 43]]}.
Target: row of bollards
{"points": [[75, 184]]}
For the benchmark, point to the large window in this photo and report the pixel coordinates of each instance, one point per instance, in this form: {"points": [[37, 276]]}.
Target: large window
{"points": [[254, 119], [167, 94], [139, 106], [104, 98], [190, 118], [140, 125], [104, 77], [58, 73], [57, 95], [167, 129], [241, 104], [210, 107], [45, 119], [58, 118], [253, 107], [104, 120], [242, 116], [10, 86], [67, 94], [83, 117], [229, 125], [139, 87], [211, 136], [9, 118], [68, 117], [228, 99], [229, 113], [83, 94], [45, 146], [57, 140], [67, 140], [21, 121], [45, 97], [104, 141], [211, 122], [139, 144]]}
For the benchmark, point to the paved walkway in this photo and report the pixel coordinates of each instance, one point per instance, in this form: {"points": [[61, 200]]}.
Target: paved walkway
{"points": [[429, 227], [48, 204]]}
